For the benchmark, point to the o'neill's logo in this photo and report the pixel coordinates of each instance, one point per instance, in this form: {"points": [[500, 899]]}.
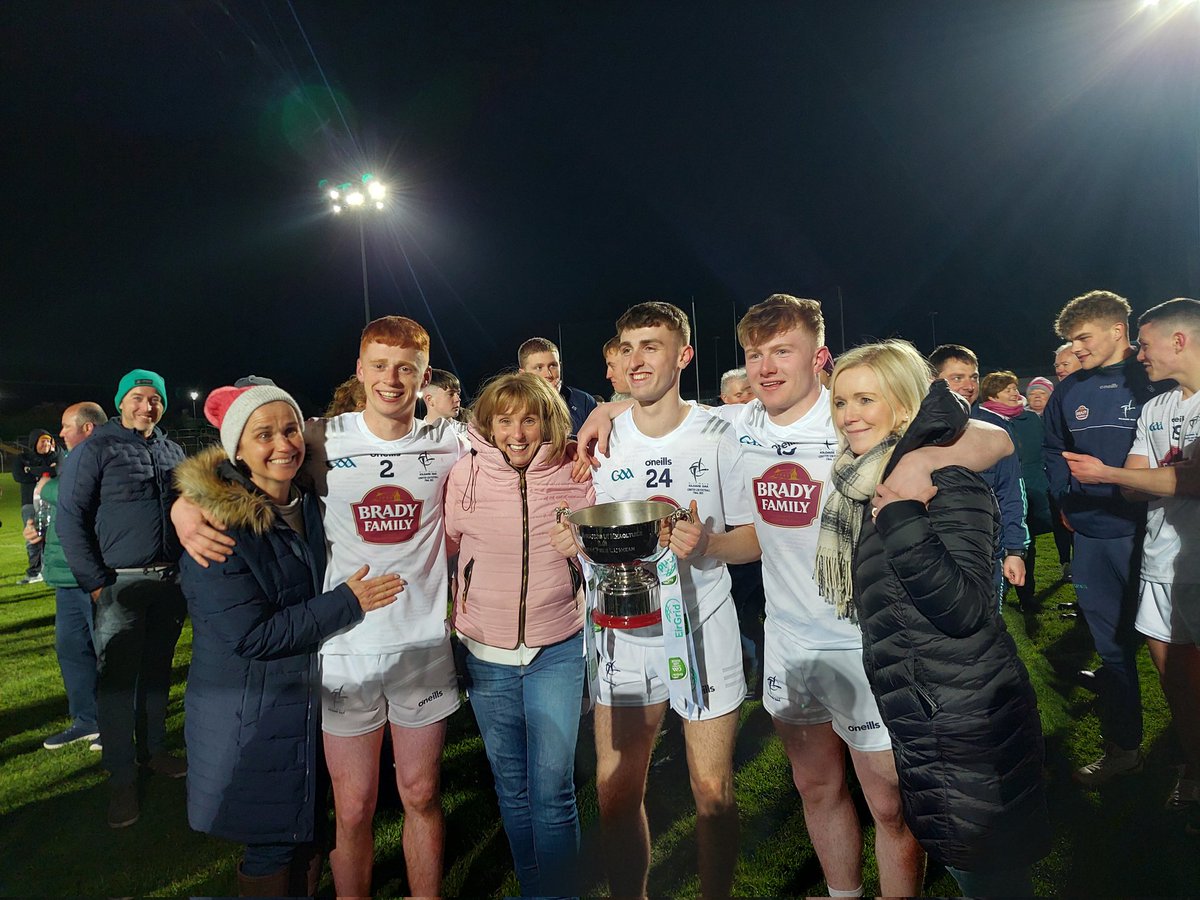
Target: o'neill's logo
{"points": [[387, 515], [787, 496]]}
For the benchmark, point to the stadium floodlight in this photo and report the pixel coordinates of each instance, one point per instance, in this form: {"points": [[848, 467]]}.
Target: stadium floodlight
{"points": [[351, 196], [194, 396]]}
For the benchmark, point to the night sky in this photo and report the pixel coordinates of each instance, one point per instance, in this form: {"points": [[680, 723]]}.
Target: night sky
{"points": [[551, 164]]}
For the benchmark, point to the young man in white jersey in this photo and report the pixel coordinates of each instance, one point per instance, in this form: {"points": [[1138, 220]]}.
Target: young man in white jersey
{"points": [[665, 449], [380, 474], [814, 688], [1162, 468]]}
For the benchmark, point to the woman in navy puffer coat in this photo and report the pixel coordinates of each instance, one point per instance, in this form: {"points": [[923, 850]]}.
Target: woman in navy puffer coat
{"points": [[252, 703]]}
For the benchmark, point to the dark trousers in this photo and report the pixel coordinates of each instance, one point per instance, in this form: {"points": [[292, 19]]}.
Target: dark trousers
{"points": [[1026, 591], [750, 601], [138, 621], [1105, 574], [33, 551], [74, 642], [1063, 537]]}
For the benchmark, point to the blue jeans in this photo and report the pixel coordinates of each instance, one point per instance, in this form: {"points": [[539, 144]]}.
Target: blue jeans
{"points": [[74, 642], [529, 719], [1105, 575], [993, 882], [138, 621]]}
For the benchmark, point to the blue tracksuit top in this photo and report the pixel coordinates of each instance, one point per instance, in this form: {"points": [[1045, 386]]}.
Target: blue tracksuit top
{"points": [[1095, 411], [1004, 478]]}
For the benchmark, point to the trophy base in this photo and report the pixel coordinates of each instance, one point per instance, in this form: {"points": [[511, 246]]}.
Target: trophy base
{"points": [[625, 623]]}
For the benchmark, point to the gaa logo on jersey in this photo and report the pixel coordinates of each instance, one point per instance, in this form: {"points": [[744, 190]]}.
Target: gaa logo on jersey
{"points": [[1081, 413], [387, 515], [787, 496]]}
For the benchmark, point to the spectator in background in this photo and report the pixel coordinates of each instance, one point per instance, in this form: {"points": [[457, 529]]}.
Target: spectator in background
{"points": [[348, 396], [1037, 394], [113, 501], [74, 638], [959, 366], [1094, 411], [538, 356], [1065, 361], [614, 368], [39, 461], [735, 387], [442, 396], [1001, 398]]}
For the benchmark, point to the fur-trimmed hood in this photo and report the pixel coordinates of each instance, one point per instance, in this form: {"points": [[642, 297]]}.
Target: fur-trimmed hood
{"points": [[210, 480]]}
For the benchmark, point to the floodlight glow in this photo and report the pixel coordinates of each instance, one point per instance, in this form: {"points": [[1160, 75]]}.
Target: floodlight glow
{"points": [[336, 209], [379, 204], [333, 194], [355, 198], [194, 395], [1149, 4], [376, 190]]}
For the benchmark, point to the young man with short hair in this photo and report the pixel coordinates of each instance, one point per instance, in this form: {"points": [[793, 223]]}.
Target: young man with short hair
{"points": [[442, 396], [540, 357], [379, 474], [1094, 412], [666, 449], [1162, 468], [959, 366], [614, 368]]}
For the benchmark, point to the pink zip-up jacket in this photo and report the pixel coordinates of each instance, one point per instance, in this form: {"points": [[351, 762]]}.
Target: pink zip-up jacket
{"points": [[513, 586]]}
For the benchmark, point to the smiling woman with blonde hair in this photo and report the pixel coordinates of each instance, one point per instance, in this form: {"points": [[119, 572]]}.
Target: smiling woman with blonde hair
{"points": [[916, 572]]}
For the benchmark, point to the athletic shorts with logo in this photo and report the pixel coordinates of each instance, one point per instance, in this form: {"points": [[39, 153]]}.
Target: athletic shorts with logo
{"points": [[633, 672], [1169, 613], [811, 687], [360, 692]]}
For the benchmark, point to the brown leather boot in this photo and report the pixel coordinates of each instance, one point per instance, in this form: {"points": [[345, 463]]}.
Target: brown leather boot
{"points": [[277, 884], [306, 873]]}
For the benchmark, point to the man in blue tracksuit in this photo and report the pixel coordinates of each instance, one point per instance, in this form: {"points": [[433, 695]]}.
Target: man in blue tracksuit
{"points": [[959, 367], [115, 493], [1095, 411]]}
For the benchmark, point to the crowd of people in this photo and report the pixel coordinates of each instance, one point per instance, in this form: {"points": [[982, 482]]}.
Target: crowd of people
{"points": [[846, 534]]}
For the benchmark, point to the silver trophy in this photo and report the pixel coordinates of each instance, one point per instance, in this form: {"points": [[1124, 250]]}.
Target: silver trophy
{"points": [[622, 540]]}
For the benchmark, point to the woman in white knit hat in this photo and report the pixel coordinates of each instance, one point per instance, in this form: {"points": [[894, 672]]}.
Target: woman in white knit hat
{"points": [[252, 703]]}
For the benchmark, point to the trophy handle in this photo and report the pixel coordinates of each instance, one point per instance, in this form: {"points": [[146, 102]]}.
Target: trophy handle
{"points": [[680, 515], [561, 513]]}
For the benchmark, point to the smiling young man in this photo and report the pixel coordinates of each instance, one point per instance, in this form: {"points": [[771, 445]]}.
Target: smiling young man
{"points": [[1094, 411], [379, 474], [666, 449], [815, 687], [1162, 468]]}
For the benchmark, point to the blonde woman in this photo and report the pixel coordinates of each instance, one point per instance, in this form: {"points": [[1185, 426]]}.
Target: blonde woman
{"points": [[945, 672]]}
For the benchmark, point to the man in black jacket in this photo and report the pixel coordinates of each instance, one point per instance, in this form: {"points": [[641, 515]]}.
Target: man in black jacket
{"points": [[113, 503], [41, 459]]}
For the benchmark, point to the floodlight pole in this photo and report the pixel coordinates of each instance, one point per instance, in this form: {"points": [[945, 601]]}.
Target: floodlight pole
{"points": [[362, 246]]}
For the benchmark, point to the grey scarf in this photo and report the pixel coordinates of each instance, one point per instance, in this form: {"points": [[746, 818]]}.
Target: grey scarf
{"points": [[854, 481]]}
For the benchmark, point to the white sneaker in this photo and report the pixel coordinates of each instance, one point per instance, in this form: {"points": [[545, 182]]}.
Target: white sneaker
{"points": [[1185, 793], [1114, 762], [33, 579]]}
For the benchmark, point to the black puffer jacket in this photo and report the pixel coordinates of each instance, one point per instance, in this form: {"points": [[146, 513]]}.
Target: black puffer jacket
{"points": [[953, 693]]}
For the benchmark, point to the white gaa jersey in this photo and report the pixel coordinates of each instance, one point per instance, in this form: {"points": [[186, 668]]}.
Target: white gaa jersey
{"points": [[381, 504], [697, 461], [787, 469], [1166, 435]]}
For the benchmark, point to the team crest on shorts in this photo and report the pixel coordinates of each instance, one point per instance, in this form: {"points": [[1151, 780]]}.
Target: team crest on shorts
{"points": [[387, 515]]}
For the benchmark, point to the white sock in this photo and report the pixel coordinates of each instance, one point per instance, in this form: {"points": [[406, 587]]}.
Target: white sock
{"points": [[853, 892]]}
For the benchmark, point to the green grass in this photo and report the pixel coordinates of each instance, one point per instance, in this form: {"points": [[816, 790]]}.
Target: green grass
{"points": [[1115, 842]]}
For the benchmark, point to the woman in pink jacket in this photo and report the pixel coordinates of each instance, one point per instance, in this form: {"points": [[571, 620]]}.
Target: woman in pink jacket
{"points": [[518, 609]]}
